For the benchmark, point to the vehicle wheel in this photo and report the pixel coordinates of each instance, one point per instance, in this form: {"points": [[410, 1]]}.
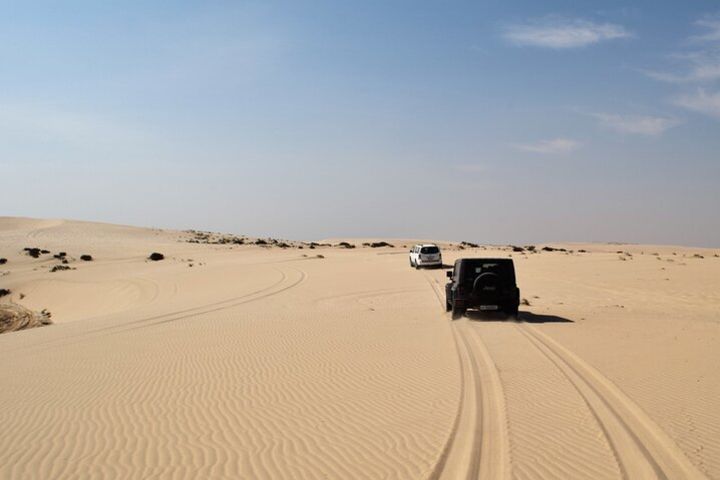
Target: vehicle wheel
{"points": [[457, 312], [448, 305], [417, 267], [512, 311]]}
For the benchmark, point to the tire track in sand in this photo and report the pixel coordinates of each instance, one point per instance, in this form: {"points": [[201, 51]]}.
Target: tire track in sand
{"points": [[478, 446], [255, 295], [642, 448]]}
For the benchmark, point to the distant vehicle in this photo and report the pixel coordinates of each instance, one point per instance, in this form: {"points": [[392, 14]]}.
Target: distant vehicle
{"points": [[486, 284], [425, 255]]}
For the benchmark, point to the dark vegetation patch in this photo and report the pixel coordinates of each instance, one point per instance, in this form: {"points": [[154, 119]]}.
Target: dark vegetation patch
{"points": [[345, 245], [34, 252], [378, 244], [60, 268], [4, 292], [212, 238], [469, 245], [86, 258], [517, 249], [3, 261], [156, 257], [553, 249]]}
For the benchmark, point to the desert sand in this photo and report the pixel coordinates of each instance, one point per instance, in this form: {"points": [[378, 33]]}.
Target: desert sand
{"points": [[266, 362]]}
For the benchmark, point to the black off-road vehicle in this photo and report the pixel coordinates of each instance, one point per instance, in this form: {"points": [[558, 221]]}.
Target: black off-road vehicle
{"points": [[486, 284]]}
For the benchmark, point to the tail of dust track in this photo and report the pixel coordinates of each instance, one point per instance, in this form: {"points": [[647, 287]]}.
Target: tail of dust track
{"points": [[643, 449]]}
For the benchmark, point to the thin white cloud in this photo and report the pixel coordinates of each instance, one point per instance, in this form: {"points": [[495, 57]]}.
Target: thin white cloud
{"points": [[703, 67], [561, 33], [699, 64], [701, 101], [711, 24], [637, 124], [554, 146]]}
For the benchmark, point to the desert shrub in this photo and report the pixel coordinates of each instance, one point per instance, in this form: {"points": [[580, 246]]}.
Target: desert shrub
{"points": [[380, 244], [155, 256], [525, 302], [345, 245], [260, 241], [517, 249], [3, 261], [33, 252], [4, 292], [59, 268], [86, 258], [319, 256]]}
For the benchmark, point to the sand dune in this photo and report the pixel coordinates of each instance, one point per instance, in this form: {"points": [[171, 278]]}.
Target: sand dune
{"points": [[264, 362]]}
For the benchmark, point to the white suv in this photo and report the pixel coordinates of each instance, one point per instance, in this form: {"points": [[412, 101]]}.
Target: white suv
{"points": [[425, 255]]}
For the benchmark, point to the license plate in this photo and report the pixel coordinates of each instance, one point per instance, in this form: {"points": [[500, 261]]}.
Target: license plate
{"points": [[488, 307]]}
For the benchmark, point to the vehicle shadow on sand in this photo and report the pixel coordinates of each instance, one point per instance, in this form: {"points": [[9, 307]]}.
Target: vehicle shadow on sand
{"points": [[523, 317]]}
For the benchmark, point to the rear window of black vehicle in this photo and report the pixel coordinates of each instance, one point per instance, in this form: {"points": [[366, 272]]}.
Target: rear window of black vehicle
{"points": [[503, 269], [429, 250]]}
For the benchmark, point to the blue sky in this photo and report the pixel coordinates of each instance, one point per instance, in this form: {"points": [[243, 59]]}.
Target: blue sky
{"points": [[487, 121]]}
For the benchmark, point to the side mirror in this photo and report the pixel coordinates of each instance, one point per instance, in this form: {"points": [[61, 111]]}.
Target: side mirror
{"points": [[449, 274]]}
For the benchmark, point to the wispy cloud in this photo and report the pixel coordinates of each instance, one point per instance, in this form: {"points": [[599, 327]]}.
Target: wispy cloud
{"points": [[711, 24], [637, 124], [554, 146], [701, 63], [701, 67], [701, 101], [561, 33]]}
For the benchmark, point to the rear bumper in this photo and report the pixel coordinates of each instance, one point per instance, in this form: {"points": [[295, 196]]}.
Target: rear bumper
{"points": [[429, 263], [501, 301]]}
